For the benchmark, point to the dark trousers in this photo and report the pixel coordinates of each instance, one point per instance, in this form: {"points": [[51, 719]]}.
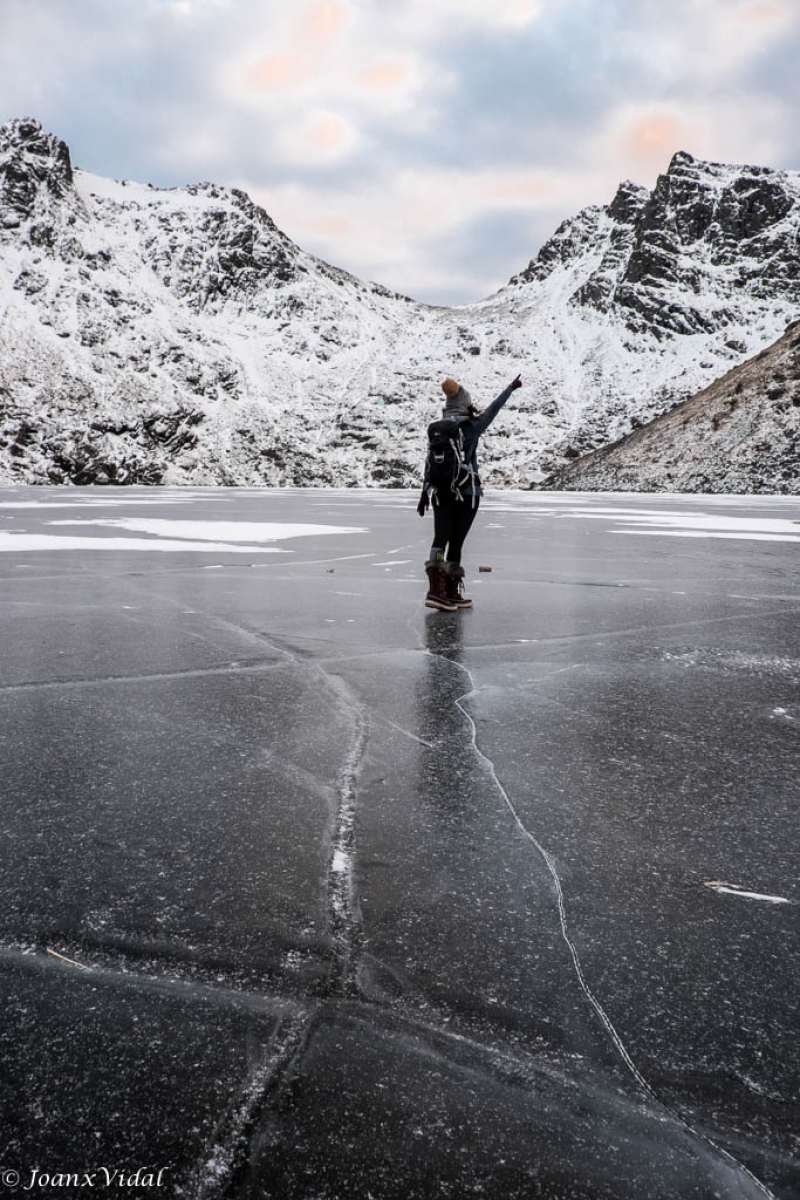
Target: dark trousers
{"points": [[451, 523]]}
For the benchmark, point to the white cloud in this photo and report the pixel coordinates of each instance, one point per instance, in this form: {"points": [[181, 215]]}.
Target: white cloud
{"points": [[333, 57], [332, 78], [365, 65], [427, 19], [705, 43], [196, 144], [316, 137], [637, 140]]}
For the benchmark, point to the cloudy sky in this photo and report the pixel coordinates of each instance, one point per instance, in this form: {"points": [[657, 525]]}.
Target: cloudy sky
{"points": [[432, 145]]}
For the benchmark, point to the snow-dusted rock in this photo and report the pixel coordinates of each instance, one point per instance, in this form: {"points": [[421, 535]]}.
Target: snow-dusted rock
{"points": [[741, 434], [36, 179], [178, 336]]}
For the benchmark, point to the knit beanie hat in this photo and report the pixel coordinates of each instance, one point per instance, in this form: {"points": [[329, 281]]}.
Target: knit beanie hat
{"points": [[450, 387]]}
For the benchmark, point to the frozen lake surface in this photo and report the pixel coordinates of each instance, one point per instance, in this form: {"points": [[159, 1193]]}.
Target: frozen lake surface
{"points": [[310, 892]]}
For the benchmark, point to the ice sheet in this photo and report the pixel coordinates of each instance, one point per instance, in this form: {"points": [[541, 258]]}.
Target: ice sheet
{"points": [[470, 846]]}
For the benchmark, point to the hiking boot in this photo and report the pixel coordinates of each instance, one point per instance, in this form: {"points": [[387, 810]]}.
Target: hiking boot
{"points": [[454, 586], [437, 588]]}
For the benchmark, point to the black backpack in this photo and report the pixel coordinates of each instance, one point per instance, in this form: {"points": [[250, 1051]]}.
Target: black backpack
{"points": [[446, 469]]}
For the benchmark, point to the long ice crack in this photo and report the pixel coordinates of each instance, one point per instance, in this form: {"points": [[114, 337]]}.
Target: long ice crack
{"points": [[594, 1002]]}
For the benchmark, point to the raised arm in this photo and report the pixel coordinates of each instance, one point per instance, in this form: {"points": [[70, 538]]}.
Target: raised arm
{"points": [[490, 412]]}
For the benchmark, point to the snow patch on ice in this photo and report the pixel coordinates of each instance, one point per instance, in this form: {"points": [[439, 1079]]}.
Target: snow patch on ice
{"points": [[669, 523], [87, 502], [229, 531], [23, 543]]}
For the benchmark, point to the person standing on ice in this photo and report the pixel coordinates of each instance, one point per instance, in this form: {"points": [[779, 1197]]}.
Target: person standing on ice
{"points": [[453, 488]]}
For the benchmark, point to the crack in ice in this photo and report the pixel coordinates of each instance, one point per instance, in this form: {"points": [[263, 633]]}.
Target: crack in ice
{"points": [[155, 677], [343, 909], [582, 981], [227, 1145]]}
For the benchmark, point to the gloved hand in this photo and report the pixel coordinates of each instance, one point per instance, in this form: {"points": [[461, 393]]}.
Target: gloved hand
{"points": [[515, 383], [422, 507]]}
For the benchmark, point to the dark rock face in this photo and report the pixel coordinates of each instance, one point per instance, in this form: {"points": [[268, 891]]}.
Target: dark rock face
{"points": [[230, 255], [624, 211], [703, 216], [109, 450], [701, 223], [34, 166]]}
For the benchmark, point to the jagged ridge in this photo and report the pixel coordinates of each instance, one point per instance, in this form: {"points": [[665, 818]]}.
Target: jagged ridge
{"points": [[178, 336]]}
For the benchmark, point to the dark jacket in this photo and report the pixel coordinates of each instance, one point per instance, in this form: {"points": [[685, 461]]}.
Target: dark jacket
{"points": [[473, 428]]}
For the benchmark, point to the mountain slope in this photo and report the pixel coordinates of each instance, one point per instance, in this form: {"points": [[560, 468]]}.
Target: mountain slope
{"points": [[178, 336], [741, 434]]}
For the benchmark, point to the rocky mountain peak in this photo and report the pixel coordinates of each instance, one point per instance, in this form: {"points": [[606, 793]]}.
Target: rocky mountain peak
{"points": [[675, 257], [223, 249], [628, 203], [35, 169], [568, 244], [680, 160]]}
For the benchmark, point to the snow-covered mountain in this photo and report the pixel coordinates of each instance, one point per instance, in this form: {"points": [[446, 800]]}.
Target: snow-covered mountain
{"points": [[178, 336], [741, 434]]}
